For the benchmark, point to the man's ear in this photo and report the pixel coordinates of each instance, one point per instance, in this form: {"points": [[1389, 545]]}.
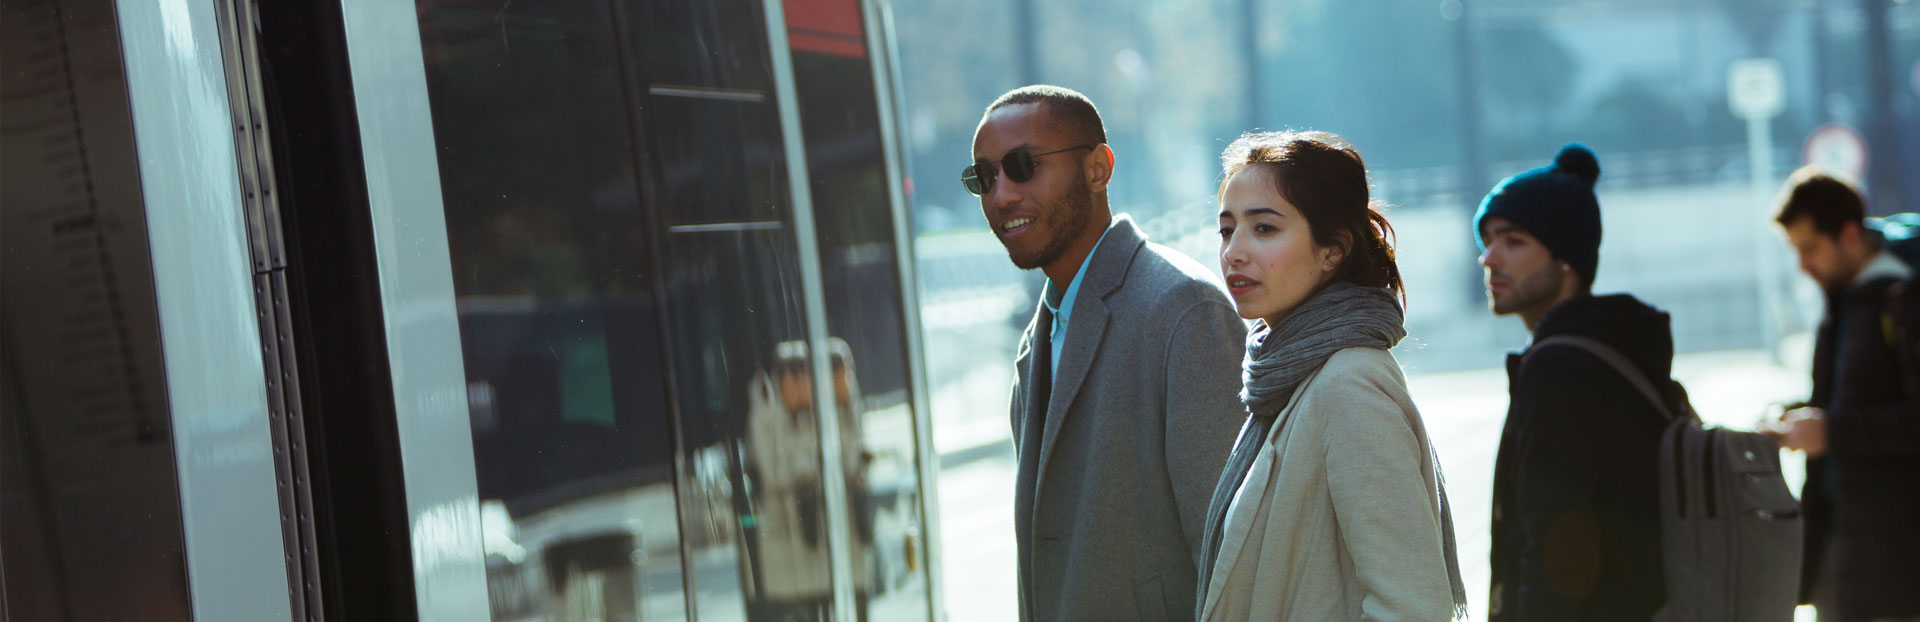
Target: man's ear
{"points": [[1099, 168], [1851, 234]]}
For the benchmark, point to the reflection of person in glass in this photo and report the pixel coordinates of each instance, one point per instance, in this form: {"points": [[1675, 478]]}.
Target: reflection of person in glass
{"points": [[783, 444], [1123, 405]]}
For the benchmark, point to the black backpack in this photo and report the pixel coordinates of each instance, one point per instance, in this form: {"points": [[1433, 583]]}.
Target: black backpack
{"points": [[1900, 235], [1730, 530]]}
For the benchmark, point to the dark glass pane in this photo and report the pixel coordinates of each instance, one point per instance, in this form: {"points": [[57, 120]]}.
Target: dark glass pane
{"points": [[718, 44], [90, 523], [553, 269], [855, 228], [721, 160]]}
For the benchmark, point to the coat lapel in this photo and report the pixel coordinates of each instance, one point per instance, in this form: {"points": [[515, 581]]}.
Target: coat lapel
{"points": [[1029, 405], [1036, 380], [1086, 329], [1088, 325], [1240, 516]]}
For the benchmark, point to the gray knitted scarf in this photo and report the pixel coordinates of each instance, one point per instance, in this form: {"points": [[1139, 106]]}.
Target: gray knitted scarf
{"points": [[1342, 315]]}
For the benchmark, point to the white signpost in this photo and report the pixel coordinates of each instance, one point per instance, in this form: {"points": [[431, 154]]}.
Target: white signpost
{"points": [[1756, 92]]}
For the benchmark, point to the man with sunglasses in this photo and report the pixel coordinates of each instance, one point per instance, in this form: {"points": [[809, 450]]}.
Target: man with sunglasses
{"points": [[1125, 401]]}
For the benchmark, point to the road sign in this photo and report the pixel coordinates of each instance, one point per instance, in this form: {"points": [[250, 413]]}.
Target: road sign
{"points": [[1756, 88], [1838, 149]]}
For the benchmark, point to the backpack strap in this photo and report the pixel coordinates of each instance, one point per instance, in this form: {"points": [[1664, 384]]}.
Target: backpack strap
{"points": [[1613, 358]]}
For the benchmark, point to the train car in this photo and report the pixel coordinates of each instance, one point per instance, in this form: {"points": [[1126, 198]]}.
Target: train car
{"points": [[573, 310]]}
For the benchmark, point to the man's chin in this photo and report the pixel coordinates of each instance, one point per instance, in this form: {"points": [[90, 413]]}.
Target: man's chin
{"points": [[1025, 262], [1031, 260], [1025, 266]]}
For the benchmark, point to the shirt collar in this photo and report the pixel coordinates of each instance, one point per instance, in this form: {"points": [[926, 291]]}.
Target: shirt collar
{"points": [[1062, 305]]}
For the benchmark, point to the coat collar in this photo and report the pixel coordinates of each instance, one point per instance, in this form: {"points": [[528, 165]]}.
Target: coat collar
{"points": [[1106, 271]]}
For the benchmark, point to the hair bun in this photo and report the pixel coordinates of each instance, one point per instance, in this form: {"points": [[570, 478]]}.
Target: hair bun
{"points": [[1577, 159]]}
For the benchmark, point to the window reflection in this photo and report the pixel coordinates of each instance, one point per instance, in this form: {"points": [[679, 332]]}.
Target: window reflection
{"points": [[737, 302], [789, 519], [646, 438], [575, 476], [860, 262], [573, 439], [90, 517]]}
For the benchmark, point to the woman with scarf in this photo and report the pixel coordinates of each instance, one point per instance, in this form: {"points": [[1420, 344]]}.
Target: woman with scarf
{"points": [[1331, 506]]}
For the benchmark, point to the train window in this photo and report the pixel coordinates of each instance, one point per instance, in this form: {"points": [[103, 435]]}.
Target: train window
{"points": [[757, 532], [90, 512], [720, 156], [719, 45], [646, 435], [559, 325], [840, 121]]}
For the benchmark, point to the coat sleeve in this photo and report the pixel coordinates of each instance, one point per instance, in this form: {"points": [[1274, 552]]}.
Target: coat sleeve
{"points": [[1388, 516], [1558, 473], [1203, 410], [1882, 431]]}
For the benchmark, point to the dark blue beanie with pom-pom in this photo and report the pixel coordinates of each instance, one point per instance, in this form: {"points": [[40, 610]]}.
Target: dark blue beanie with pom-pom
{"points": [[1556, 204]]}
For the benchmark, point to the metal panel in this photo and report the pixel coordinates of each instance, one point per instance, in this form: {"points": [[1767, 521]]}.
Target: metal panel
{"points": [[813, 294], [202, 278], [879, 28], [422, 330]]}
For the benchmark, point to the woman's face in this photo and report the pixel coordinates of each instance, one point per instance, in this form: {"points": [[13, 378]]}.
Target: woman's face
{"points": [[1267, 253]]}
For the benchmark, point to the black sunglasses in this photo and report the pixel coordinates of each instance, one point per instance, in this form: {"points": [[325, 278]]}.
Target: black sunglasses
{"points": [[1018, 164]]}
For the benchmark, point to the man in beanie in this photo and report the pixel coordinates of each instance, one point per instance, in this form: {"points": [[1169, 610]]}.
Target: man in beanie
{"points": [[1576, 524]]}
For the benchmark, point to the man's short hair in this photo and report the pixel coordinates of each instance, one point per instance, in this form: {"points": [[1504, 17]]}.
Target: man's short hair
{"points": [[1065, 106], [1830, 202]]}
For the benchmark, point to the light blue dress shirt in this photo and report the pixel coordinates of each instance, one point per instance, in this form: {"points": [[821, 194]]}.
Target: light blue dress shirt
{"points": [[1062, 305]]}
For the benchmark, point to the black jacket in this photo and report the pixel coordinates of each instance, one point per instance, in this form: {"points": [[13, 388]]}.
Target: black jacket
{"points": [[1576, 521], [1862, 500]]}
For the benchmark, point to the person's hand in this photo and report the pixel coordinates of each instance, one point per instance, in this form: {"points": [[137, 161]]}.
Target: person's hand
{"points": [[1773, 422], [1806, 430]]}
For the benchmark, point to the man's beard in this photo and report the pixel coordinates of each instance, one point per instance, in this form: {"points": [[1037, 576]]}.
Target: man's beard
{"points": [[1536, 289], [1065, 222]]}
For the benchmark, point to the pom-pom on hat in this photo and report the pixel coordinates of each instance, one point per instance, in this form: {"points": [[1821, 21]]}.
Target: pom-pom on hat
{"points": [[1554, 203]]}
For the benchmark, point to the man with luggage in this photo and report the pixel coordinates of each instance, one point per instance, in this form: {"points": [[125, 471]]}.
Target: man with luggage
{"points": [[1576, 512]]}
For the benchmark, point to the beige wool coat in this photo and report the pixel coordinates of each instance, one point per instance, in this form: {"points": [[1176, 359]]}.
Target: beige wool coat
{"points": [[1339, 517]]}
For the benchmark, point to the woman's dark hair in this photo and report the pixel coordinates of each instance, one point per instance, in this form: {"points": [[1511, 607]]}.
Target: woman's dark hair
{"points": [[1324, 177]]}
